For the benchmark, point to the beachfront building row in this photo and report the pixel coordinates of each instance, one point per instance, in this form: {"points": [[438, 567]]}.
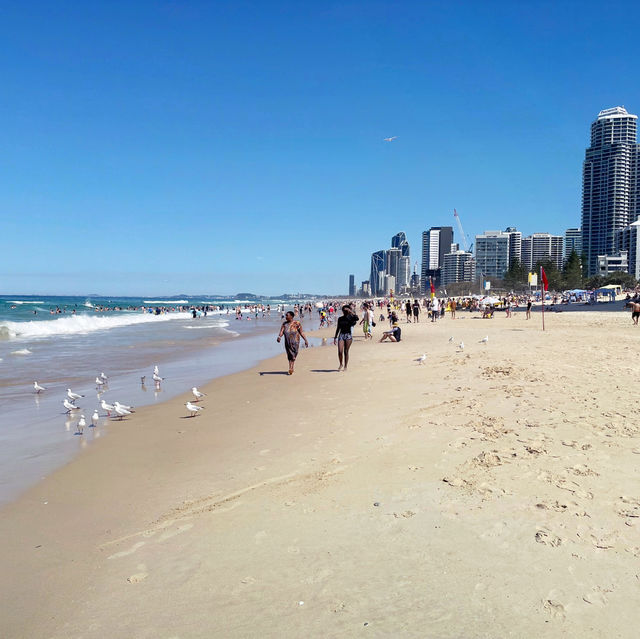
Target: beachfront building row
{"points": [[497, 250]]}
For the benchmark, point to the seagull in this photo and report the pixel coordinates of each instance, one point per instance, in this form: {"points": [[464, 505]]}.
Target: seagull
{"points": [[156, 370], [100, 383], [69, 405], [193, 409], [117, 405], [121, 411], [95, 418], [81, 424], [38, 388], [103, 377], [461, 346], [142, 379], [422, 359], [198, 394], [451, 339], [156, 378], [107, 407], [73, 396], [484, 340], [391, 139]]}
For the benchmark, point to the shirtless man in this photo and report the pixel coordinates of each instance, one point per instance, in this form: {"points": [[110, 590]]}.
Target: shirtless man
{"points": [[635, 311]]}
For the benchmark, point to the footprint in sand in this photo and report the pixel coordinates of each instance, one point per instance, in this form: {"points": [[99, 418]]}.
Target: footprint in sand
{"points": [[596, 595], [137, 578], [555, 608], [546, 537], [555, 506]]}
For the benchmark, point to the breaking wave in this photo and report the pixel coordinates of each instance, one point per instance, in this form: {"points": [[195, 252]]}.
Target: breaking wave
{"points": [[79, 324]]}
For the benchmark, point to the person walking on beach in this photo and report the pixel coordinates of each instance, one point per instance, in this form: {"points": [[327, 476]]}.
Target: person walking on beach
{"points": [[343, 335], [407, 307], [635, 311], [292, 331], [416, 311], [529, 308]]}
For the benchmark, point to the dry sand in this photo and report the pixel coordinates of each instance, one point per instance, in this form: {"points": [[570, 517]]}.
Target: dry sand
{"points": [[489, 493]]}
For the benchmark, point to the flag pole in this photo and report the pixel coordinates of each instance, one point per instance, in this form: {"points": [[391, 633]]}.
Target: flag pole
{"points": [[542, 290]]}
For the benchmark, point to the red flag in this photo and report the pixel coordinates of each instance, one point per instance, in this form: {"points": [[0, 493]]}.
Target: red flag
{"points": [[545, 281], [433, 290]]}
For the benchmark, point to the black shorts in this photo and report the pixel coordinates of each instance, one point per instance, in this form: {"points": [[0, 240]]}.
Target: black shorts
{"points": [[635, 314]]}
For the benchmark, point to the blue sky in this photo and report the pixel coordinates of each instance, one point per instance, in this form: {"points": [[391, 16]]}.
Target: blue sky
{"points": [[216, 147]]}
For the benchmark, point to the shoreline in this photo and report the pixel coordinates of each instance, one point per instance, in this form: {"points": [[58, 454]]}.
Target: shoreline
{"points": [[222, 524]]}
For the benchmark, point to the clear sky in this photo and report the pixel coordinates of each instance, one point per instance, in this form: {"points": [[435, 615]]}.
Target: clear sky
{"points": [[216, 147]]}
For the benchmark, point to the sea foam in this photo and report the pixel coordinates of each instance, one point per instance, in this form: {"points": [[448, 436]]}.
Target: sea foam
{"points": [[80, 324]]}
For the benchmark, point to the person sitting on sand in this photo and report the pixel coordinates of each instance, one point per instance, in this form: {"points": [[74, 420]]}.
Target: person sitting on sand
{"points": [[393, 335]]}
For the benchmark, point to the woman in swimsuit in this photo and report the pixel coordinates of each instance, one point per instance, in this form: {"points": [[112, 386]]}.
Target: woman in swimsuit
{"points": [[343, 335], [292, 331]]}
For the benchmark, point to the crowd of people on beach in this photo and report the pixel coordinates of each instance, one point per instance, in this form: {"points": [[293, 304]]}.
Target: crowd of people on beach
{"points": [[433, 309]]}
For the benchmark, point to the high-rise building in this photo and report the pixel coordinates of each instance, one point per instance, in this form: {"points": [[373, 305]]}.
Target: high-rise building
{"points": [[378, 271], [393, 257], [627, 240], [399, 240], [542, 246], [492, 254], [515, 244], [436, 243], [352, 285], [572, 242], [404, 272], [458, 266], [366, 289], [609, 183]]}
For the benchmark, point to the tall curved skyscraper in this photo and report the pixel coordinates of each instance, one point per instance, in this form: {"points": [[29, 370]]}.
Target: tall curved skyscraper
{"points": [[609, 183]]}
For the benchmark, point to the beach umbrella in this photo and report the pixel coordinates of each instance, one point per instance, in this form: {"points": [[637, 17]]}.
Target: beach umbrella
{"points": [[491, 300]]}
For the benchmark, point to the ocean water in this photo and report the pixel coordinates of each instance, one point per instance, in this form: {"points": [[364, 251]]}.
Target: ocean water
{"points": [[68, 349]]}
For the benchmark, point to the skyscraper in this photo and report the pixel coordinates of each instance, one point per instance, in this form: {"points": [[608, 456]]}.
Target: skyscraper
{"points": [[393, 257], [515, 244], [628, 240], [436, 243], [609, 183], [376, 277], [352, 285]]}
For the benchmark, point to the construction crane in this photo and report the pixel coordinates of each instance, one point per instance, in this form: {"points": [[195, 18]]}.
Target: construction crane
{"points": [[467, 248]]}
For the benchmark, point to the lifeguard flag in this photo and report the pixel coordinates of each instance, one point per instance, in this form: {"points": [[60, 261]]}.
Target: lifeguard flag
{"points": [[433, 290], [545, 281]]}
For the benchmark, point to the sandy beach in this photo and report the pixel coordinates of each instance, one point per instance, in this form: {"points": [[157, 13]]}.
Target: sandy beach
{"points": [[489, 493]]}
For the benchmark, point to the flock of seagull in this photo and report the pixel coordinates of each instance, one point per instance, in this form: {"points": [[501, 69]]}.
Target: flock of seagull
{"points": [[119, 410], [423, 358]]}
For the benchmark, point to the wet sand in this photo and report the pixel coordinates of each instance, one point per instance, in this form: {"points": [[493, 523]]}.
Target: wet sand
{"points": [[489, 493]]}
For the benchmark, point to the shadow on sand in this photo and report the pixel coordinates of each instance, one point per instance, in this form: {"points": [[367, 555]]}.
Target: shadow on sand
{"points": [[273, 373]]}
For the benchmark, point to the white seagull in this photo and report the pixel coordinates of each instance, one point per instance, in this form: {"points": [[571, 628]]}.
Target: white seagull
{"points": [[156, 370], [73, 396], [121, 411], [117, 405], [156, 378], [95, 418], [99, 382], [108, 408], [461, 346], [81, 424], [103, 377], [193, 409], [70, 406], [198, 394], [422, 359], [38, 388], [391, 139], [484, 340]]}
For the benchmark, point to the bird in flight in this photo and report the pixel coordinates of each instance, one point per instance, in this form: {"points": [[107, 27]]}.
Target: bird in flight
{"points": [[391, 139]]}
